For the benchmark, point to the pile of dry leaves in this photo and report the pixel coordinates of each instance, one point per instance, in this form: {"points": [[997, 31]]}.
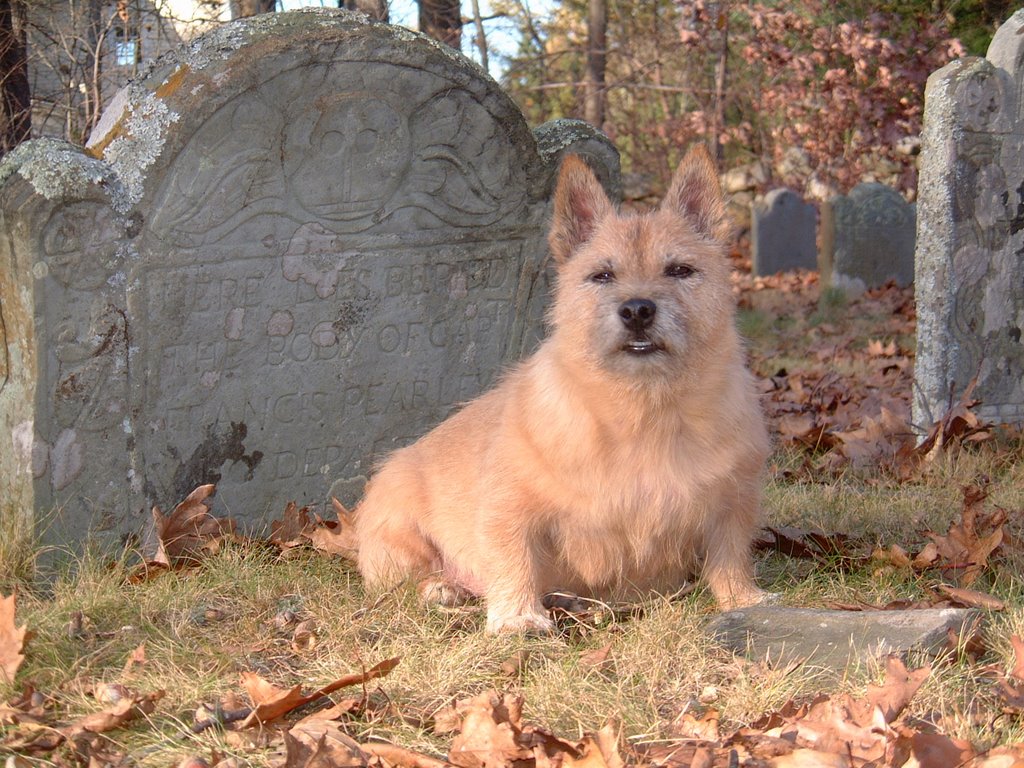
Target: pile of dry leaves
{"points": [[488, 730], [849, 404]]}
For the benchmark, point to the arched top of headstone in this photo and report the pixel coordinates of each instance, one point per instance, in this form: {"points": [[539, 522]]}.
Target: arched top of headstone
{"points": [[355, 121], [1006, 51], [871, 204], [781, 198], [556, 138]]}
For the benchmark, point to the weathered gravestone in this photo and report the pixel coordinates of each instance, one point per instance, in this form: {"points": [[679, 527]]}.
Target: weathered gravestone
{"points": [[867, 239], [292, 247], [783, 233], [970, 238]]}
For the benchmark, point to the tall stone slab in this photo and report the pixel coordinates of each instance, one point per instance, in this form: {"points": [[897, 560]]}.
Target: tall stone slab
{"points": [[867, 239], [294, 246], [783, 233], [970, 237]]}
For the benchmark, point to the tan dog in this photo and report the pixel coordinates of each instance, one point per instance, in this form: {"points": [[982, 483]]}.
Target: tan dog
{"points": [[624, 455]]}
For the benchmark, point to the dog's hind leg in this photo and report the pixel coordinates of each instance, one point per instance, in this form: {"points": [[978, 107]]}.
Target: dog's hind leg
{"points": [[389, 554], [392, 547]]}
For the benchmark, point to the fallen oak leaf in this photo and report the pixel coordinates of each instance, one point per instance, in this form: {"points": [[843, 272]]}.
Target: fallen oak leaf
{"points": [[335, 538], [702, 728], [894, 555], [12, 639], [1011, 696], [186, 534], [319, 744], [136, 657], [304, 638], [273, 702], [511, 666], [965, 548], [400, 756], [898, 689], [270, 702], [599, 750], [971, 598], [930, 750], [290, 531], [33, 738], [875, 348], [958, 423], [841, 725], [600, 658], [125, 710], [491, 734]]}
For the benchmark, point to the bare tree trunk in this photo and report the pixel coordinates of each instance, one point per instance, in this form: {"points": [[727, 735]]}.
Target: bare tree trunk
{"points": [[721, 78], [481, 38], [15, 101], [375, 9], [243, 8], [442, 20], [597, 27]]}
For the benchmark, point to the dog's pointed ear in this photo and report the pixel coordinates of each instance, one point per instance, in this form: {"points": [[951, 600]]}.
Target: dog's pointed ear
{"points": [[696, 194], [580, 204]]}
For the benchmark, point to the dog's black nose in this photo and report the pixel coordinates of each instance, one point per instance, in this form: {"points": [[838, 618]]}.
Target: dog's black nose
{"points": [[637, 314]]}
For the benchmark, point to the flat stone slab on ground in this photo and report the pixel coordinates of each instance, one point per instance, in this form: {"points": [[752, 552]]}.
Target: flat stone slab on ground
{"points": [[836, 638]]}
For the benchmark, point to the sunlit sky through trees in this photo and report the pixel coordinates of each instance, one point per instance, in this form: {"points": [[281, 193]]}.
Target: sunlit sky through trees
{"points": [[502, 38]]}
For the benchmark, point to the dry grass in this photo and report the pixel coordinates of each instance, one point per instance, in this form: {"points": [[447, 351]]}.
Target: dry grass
{"points": [[202, 628]]}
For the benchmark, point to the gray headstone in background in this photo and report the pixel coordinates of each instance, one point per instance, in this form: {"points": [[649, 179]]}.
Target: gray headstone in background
{"points": [[970, 240], [867, 239], [784, 233], [836, 639], [293, 247]]}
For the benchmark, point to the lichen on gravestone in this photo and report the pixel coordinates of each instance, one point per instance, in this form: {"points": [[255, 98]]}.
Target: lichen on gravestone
{"points": [[57, 169]]}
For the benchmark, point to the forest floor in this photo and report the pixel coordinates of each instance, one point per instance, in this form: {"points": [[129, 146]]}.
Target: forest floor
{"points": [[265, 650]]}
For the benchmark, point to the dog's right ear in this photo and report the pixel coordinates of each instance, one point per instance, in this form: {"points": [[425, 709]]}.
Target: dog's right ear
{"points": [[580, 203]]}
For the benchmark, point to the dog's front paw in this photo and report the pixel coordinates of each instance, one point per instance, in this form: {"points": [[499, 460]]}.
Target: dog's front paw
{"points": [[748, 598], [434, 590], [524, 623]]}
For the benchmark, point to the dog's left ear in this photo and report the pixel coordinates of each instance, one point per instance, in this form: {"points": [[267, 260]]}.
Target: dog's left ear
{"points": [[696, 194], [580, 203]]}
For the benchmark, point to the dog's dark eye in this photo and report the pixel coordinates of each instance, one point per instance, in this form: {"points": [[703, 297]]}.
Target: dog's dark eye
{"points": [[605, 276], [680, 270]]}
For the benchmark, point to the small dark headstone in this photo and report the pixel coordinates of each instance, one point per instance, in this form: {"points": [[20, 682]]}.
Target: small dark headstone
{"points": [[867, 239], [783, 233]]}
